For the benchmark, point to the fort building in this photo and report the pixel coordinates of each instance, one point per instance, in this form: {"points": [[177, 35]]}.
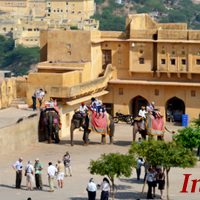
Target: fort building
{"points": [[150, 61], [25, 18]]}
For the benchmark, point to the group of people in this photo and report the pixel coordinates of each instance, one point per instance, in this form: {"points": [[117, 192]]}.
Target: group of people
{"points": [[30, 171], [95, 105], [61, 169], [154, 176], [92, 188]]}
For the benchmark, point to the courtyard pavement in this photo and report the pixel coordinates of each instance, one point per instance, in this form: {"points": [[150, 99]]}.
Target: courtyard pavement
{"points": [[75, 186]]}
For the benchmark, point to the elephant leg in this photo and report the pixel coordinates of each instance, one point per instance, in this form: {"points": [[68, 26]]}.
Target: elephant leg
{"points": [[111, 139], [103, 139], [49, 134], [134, 133], [143, 134], [72, 134], [85, 137], [160, 137], [56, 135]]}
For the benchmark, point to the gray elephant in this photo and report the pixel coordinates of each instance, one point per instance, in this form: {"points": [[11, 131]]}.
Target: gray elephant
{"points": [[80, 120], [50, 124], [151, 126]]}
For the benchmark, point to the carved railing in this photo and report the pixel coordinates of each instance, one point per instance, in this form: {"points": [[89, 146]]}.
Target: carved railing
{"points": [[85, 88]]}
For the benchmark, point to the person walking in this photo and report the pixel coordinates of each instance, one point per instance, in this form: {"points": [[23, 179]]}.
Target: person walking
{"points": [[61, 174], [91, 189], [18, 167], [140, 163], [105, 189], [67, 164], [29, 171], [34, 100], [38, 174], [161, 182], [150, 179], [51, 171]]}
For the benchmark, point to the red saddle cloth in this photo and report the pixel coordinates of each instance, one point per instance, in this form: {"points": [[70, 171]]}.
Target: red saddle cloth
{"points": [[98, 122], [155, 126]]}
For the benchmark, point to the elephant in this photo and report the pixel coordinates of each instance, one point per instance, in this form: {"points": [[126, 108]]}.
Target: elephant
{"points": [[80, 120], [147, 127], [50, 124], [138, 126]]}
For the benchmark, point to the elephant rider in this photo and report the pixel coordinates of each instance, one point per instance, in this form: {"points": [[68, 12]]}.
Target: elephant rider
{"points": [[83, 109], [142, 113], [155, 112]]}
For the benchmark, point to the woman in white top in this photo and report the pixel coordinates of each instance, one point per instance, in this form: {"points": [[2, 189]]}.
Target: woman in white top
{"points": [[91, 189], [105, 189]]}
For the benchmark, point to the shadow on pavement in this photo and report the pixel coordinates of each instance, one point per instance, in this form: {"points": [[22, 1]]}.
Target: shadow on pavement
{"points": [[132, 180], [122, 143], [12, 187], [78, 198], [129, 195], [122, 187]]}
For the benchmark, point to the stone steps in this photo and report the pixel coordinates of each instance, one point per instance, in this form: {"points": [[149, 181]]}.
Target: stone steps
{"points": [[19, 103]]}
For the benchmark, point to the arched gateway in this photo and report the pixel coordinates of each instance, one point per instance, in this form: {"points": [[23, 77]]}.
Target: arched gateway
{"points": [[136, 103], [175, 107]]}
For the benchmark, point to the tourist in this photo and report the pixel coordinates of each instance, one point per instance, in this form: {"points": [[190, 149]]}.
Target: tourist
{"points": [[34, 97], [61, 174], [105, 189], [91, 189], [161, 182], [40, 96], [140, 163], [38, 174], [67, 164], [51, 171], [83, 109], [29, 171], [154, 185], [142, 113], [150, 182], [18, 167]]}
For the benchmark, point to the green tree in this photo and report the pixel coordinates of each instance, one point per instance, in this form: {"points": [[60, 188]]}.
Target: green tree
{"points": [[188, 137], [167, 155], [113, 165]]}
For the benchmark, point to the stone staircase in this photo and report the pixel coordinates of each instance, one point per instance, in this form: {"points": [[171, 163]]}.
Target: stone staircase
{"points": [[19, 103]]}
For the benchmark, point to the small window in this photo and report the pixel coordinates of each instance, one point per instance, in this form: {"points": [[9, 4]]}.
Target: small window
{"points": [[193, 93], [173, 62], [183, 61], [156, 92], [141, 51], [183, 52], [69, 53], [173, 52], [163, 51], [198, 61], [121, 91], [141, 60], [163, 61]]}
